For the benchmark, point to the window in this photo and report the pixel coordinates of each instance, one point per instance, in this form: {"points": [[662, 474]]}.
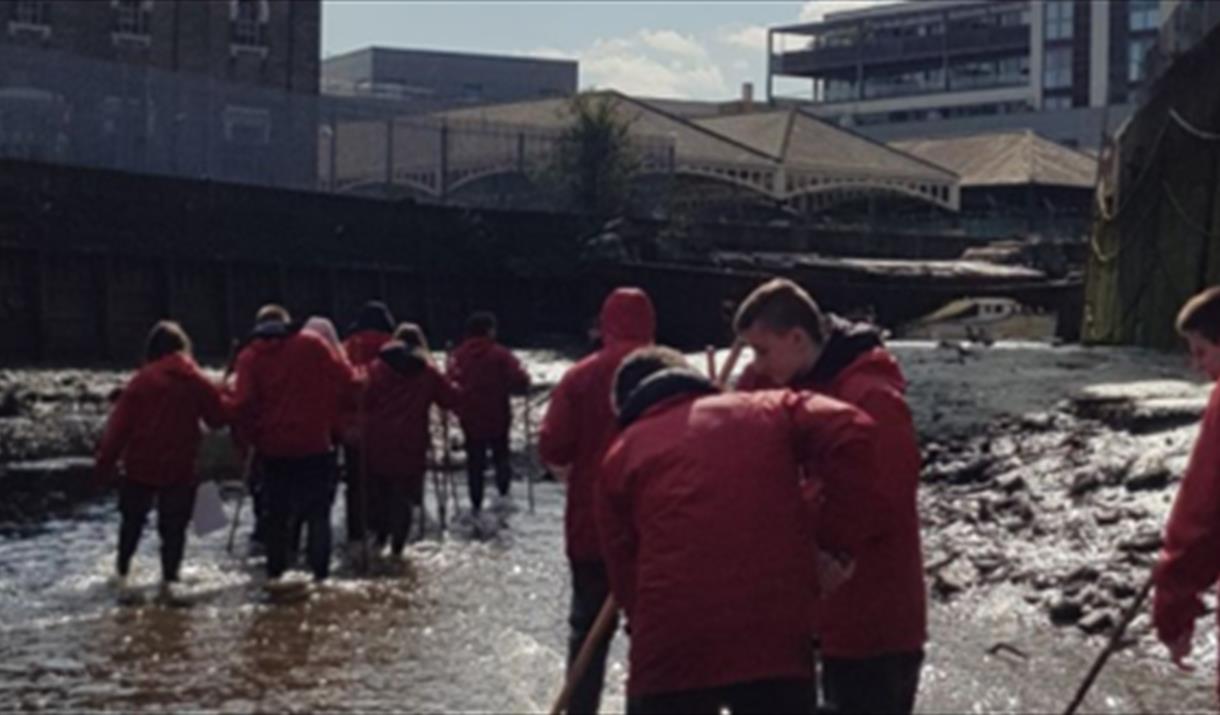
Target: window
{"points": [[249, 126], [248, 22], [1059, 16], [1144, 15], [839, 90], [132, 17], [1057, 70], [1056, 103], [30, 12], [1137, 54]]}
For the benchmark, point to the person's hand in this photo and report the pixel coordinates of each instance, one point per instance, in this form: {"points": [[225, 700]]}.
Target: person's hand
{"points": [[833, 572], [105, 476], [1179, 650]]}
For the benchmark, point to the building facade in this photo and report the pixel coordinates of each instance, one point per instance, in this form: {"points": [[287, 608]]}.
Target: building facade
{"points": [[903, 68], [213, 88], [436, 80]]}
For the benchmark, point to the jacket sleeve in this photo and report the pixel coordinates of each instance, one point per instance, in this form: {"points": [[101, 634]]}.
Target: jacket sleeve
{"points": [[559, 434], [213, 408], [837, 449], [116, 434], [613, 514], [518, 378], [445, 392], [1190, 557]]}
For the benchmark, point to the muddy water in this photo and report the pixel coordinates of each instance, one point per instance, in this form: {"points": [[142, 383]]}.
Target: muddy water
{"points": [[463, 624]]}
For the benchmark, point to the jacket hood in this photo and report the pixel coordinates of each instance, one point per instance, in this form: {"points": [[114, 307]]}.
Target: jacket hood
{"points": [[270, 335], [475, 346], [374, 316], [848, 341], [178, 363], [661, 386], [401, 359], [323, 328], [627, 316]]}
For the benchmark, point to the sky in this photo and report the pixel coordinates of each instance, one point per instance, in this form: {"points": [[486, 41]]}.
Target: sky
{"points": [[690, 50]]}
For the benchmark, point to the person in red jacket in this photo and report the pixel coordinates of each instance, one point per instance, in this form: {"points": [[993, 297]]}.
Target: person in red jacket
{"points": [[487, 373], [289, 388], [1189, 562], [154, 432], [403, 384], [367, 335], [873, 629], [576, 430], [710, 547]]}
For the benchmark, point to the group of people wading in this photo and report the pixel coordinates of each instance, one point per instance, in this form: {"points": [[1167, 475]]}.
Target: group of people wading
{"points": [[298, 400], [762, 543]]}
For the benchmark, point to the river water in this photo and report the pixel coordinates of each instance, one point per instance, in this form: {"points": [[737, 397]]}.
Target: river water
{"points": [[463, 624]]}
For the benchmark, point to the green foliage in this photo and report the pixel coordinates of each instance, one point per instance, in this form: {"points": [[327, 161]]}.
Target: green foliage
{"points": [[595, 161]]}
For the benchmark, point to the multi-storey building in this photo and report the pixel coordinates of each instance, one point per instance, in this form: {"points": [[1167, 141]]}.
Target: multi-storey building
{"points": [[943, 66], [219, 88], [433, 80]]}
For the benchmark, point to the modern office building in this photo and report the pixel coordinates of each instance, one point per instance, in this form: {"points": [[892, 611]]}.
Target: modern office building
{"points": [[435, 80], [950, 66]]}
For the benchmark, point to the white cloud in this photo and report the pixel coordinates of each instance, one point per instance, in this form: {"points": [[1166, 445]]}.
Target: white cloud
{"points": [[752, 38], [673, 43], [815, 10]]}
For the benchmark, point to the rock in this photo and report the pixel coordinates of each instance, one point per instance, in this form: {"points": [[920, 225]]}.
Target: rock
{"points": [[1097, 622], [1083, 574], [10, 405], [1065, 611], [1011, 482], [1147, 472], [959, 471], [1107, 517], [1084, 482], [1143, 543]]}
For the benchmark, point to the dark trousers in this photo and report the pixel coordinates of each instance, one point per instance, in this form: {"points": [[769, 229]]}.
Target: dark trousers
{"points": [[300, 488], [175, 505], [258, 503], [762, 696], [884, 684], [590, 588], [476, 465], [354, 497], [391, 502]]}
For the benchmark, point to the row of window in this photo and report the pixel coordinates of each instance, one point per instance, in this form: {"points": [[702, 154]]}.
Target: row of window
{"points": [[922, 115], [1059, 16], [974, 74], [248, 19]]}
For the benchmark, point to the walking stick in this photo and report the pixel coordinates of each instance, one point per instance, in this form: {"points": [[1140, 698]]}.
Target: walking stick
{"points": [[439, 487], [710, 353], [529, 454], [241, 499], [600, 632], [366, 557], [726, 371], [1110, 648], [447, 463]]}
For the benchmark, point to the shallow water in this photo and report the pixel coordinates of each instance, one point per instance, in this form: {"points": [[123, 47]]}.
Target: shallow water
{"points": [[462, 624]]}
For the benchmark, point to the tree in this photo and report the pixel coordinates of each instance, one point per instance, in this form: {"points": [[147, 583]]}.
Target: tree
{"points": [[595, 161]]}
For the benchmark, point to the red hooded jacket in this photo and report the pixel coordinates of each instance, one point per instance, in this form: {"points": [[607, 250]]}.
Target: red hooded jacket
{"points": [[402, 387], [487, 373], [882, 608], [708, 542], [362, 347], [1190, 556], [289, 390], [579, 422], [154, 428]]}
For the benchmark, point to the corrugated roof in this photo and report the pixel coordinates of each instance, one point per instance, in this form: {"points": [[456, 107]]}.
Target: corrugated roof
{"points": [[806, 142], [1006, 158]]}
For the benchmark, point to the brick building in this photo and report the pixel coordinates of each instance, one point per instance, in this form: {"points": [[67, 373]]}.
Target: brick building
{"points": [[216, 88]]}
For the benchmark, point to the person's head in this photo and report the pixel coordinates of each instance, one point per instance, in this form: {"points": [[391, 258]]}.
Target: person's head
{"points": [[375, 316], [412, 336], [323, 328], [784, 327], [1199, 323], [481, 325], [627, 317], [165, 338], [272, 313], [638, 366]]}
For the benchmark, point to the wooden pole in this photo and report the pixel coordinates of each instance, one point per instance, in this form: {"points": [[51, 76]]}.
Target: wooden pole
{"points": [[726, 371], [1111, 647], [600, 632]]}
